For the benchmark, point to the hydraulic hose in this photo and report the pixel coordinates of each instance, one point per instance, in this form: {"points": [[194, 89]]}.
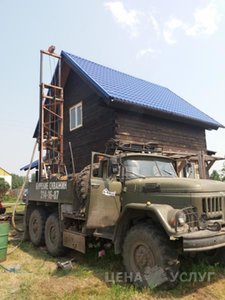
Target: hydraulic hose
{"points": [[22, 190]]}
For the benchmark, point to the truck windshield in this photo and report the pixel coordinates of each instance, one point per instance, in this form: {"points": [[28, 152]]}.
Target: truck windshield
{"points": [[141, 168]]}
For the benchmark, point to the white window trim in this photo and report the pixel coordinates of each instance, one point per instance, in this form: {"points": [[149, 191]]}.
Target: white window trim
{"points": [[74, 107]]}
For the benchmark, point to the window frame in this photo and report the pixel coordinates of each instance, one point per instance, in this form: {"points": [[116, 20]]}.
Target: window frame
{"points": [[74, 107]]}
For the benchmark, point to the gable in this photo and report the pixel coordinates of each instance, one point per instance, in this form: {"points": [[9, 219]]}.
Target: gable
{"points": [[4, 173]]}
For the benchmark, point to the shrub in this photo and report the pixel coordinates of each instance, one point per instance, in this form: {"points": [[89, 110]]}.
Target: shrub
{"points": [[4, 187]]}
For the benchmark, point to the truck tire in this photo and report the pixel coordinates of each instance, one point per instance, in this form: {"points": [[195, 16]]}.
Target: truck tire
{"points": [[82, 186], [149, 258], [53, 236], [36, 229]]}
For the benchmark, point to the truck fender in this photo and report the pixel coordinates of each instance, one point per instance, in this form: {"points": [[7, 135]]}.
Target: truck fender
{"points": [[134, 213]]}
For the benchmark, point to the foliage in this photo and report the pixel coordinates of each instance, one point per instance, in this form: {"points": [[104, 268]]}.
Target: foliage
{"points": [[33, 177], [223, 173], [218, 175], [215, 175], [8, 198], [17, 181], [4, 187]]}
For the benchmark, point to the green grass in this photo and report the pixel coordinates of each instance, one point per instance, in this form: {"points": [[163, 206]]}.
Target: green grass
{"points": [[8, 199], [37, 277], [9, 203]]}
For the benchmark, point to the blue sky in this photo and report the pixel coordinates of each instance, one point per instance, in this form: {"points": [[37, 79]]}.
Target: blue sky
{"points": [[179, 44]]}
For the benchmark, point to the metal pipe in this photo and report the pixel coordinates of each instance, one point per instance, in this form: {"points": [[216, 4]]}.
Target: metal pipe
{"points": [[40, 120], [72, 158]]}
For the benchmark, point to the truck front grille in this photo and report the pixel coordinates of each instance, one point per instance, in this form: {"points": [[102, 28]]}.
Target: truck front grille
{"points": [[213, 207]]}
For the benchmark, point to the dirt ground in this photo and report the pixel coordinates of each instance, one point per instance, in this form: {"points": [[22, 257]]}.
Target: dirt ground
{"points": [[30, 273]]}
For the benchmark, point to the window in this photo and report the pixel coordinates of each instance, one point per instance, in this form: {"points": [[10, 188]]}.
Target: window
{"points": [[76, 116], [137, 167]]}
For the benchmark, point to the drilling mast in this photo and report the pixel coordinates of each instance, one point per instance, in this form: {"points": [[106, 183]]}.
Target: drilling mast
{"points": [[51, 121]]}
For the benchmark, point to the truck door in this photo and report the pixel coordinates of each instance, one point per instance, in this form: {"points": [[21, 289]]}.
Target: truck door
{"points": [[105, 190]]}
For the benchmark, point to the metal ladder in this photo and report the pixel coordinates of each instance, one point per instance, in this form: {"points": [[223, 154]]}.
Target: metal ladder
{"points": [[51, 122]]}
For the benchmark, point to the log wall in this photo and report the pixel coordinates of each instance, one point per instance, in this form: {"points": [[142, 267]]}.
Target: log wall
{"points": [[98, 123], [102, 122], [172, 135]]}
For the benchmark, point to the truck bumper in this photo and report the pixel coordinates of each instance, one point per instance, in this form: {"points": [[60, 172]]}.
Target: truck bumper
{"points": [[203, 240]]}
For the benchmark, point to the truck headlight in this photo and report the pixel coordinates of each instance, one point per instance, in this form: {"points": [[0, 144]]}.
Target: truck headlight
{"points": [[181, 218], [176, 218]]}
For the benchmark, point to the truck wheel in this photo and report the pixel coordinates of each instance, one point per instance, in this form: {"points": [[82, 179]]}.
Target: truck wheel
{"points": [[149, 257], [36, 226], [83, 185], [53, 236]]}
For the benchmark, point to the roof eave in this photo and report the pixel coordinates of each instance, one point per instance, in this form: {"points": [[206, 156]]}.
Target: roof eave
{"points": [[168, 115]]}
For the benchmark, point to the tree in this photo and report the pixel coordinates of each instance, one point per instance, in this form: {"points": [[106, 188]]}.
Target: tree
{"points": [[218, 175], [215, 175], [33, 177], [17, 181], [222, 175], [4, 187]]}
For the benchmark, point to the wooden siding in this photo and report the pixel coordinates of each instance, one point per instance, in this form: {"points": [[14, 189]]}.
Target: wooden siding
{"points": [[98, 123], [102, 122], [172, 135]]}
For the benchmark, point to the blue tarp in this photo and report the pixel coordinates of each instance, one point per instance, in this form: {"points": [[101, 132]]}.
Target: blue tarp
{"points": [[34, 165]]}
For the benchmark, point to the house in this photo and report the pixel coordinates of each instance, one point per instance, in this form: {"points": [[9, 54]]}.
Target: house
{"points": [[101, 104], [7, 176]]}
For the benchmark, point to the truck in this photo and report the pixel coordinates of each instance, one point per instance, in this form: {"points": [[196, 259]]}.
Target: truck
{"points": [[134, 200], [129, 196]]}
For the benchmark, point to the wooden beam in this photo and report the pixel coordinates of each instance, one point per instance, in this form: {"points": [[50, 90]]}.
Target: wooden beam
{"points": [[180, 165], [202, 166], [209, 164]]}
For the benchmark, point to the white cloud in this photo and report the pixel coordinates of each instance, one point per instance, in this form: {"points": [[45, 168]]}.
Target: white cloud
{"points": [[155, 24], [170, 26], [206, 21], [168, 36], [144, 52], [128, 18], [175, 23], [205, 24]]}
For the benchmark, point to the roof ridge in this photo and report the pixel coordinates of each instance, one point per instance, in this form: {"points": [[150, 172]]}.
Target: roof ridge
{"points": [[114, 70]]}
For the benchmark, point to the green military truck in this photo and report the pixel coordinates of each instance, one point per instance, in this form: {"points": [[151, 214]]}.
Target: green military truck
{"points": [[135, 200]]}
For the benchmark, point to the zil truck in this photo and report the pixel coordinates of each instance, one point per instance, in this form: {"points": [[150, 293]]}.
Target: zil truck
{"points": [[131, 198], [137, 202]]}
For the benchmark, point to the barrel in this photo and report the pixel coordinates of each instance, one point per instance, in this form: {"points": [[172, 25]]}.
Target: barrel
{"points": [[4, 231]]}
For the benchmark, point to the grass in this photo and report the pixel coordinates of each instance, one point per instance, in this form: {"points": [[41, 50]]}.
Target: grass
{"points": [[8, 199], [9, 203], [36, 277]]}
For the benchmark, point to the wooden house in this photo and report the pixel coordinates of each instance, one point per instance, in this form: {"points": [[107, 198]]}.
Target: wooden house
{"points": [[102, 104]]}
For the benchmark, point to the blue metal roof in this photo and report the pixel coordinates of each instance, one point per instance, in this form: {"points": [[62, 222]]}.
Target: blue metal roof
{"points": [[128, 89]]}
